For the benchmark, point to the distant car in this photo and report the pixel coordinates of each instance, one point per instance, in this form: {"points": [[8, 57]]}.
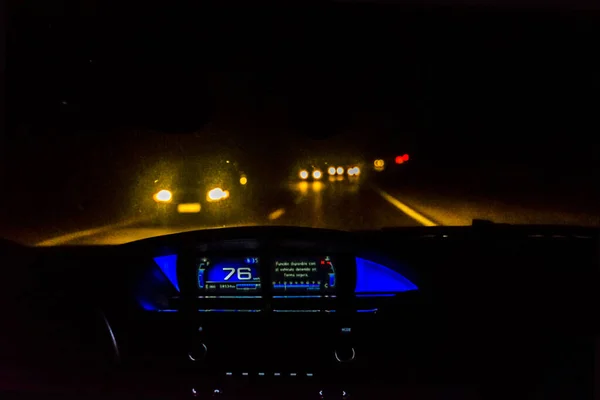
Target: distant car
{"points": [[329, 171], [310, 174], [197, 186]]}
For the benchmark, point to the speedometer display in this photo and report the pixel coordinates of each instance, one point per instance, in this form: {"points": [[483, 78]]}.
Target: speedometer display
{"points": [[229, 275]]}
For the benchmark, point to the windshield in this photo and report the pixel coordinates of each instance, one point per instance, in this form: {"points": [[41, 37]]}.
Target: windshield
{"points": [[355, 117]]}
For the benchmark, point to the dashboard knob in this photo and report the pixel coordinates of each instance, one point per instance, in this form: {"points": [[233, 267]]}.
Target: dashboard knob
{"points": [[198, 352], [344, 354]]}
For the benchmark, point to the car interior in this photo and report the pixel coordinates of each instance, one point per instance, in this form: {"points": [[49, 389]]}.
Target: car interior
{"points": [[481, 311]]}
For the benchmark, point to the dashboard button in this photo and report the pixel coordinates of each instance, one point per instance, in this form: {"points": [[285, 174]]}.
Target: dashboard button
{"points": [[345, 354], [198, 352]]}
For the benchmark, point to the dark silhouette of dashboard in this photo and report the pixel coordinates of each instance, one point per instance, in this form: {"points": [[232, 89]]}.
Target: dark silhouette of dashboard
{"points": [[305, 313]]}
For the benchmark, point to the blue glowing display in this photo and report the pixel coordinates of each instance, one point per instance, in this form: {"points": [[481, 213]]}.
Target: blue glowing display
{"points": [[372, 277], [147, 306], [168, 265], [232, 272]]}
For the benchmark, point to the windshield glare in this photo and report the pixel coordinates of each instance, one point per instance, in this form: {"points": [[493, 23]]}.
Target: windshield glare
{"points": [[120, 129]]}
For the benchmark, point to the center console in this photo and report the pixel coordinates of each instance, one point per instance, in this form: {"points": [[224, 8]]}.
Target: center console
{"points": [[245, 320]]}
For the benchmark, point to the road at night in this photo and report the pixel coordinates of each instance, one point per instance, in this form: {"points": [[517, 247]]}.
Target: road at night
{"points": [[102, 120], [334, 204]]}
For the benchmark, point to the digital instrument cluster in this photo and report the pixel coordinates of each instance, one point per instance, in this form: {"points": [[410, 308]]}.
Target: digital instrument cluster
{"points": [[220, 277], [287, 275], [236, 276], [303, 275]]}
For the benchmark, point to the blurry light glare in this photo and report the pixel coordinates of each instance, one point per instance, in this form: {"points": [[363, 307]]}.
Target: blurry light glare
{"points": [[379, 163], [317, 186], [303, 174], [354, 171], [303, 187], [331, 171], [243, 180], [317, 174], [340, 170], [163, 196], [217, 194], [405, 157], [399, 160]]}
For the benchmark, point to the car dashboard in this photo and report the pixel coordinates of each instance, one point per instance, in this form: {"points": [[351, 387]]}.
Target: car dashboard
{"points": [[301, 313], [248, 312]]}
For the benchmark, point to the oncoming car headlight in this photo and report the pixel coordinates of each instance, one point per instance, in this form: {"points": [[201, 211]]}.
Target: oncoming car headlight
{"points": [[303, 174], [317, 174], [217, 194], [163, 196], [355, 171]]}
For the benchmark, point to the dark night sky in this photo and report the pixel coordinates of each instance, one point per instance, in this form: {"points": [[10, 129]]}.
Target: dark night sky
{"points": [[470, 85], [96, 92]]}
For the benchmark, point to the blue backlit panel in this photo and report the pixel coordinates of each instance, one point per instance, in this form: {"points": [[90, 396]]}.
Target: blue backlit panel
{"points": [[168, 265], [232, 272], [372, 277], [234, 276]]}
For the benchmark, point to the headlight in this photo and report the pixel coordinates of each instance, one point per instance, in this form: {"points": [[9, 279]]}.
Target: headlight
{"points": [[303, 174], [317, 174], [331, 171], [217, 194], [354, 171], [163, 196], [340, 170]]}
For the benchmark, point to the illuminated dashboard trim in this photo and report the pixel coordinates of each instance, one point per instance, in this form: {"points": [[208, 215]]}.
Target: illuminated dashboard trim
{"points": [[168, 266], [373, 278]]}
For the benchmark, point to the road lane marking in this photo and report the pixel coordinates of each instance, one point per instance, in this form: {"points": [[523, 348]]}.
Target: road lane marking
{"points": [[276, 214], [69, 237], [404, 208]]}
